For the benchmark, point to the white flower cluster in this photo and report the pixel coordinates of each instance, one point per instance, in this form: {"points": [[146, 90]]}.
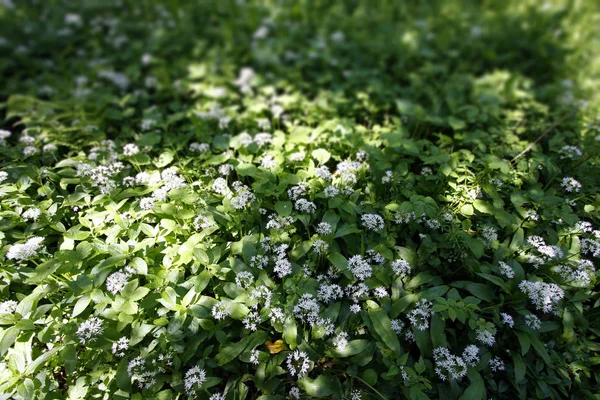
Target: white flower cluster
{"points": [[307, 309], [448, 365], [251, 321], [581, 272], [117, 280], [199, 147], [533, 321], [329, 292], [471, 355], [25, 250], [507, 320], [254, 353], [193, 380], [543, 295], [489, 234], [31, 214], [571, 185], [220, 310], [571, 152], [420, 315], [320, 246], [546, 252], [496, 364], [243, 195], [277, 222], [120, 346], [324, 228], [8, 307], [298, 364], [4, 134], [90, 329], [323, 173], [506, 270], [244, 279], [401, 268], [138, 371], [202, 222], [359, 267], [3, 176], [341, 340], [130, 149], [532, 215], [486, 335], [373, 222]]}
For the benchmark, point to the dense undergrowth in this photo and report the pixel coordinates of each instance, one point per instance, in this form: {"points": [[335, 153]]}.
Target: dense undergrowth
{"points": [[299, 199]]}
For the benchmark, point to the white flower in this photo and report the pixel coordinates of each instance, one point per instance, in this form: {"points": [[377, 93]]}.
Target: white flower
{"points": [[323, 173], [401, 268], [244, 279], [496, 364], [31, 214], [8, 307], [387, 178], [254, 356], [29, 150], [543, 295], [373, 222], [397, 326], [147, 203], [220, 310], [245, 80], [324, 228], [571, 185], [199, 147], [507, 319], [355, 308], [341, 340], [320, 246], [298, 364], [449, 366], [331, 191], [4, 134], [359, 267], [295, 393], [531, 215], [506, 270], [307, 309], [119, 347], [486, 335], [268, 162], [217, 396], [220, 186], [420, 315], [193, 380], [90, 329], [130, 149], [26, 250], [489, 234], [3, 176], [380, 292], [117, 281], [297, 157], [471, 355], [570, 152], [328, 293], [533, 321], [251, 321], [305, 206]]}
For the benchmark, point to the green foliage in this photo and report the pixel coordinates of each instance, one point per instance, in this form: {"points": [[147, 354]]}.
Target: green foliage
{"points": [[259, 200]]}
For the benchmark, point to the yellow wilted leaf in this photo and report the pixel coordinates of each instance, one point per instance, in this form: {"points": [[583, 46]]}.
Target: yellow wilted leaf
{"points": [[276, 347]]}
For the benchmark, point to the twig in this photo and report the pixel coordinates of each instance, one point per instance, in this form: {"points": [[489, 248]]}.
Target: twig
{"points": [[531, 145]]}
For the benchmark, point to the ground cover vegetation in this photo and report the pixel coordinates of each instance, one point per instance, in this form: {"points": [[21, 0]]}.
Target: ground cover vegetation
{"points": [[299, 199]]}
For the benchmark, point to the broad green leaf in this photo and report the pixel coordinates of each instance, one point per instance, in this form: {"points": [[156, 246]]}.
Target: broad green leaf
{"points": [[383, 327]]}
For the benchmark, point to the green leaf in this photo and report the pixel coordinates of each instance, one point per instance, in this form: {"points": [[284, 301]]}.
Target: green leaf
{"points": [[290, 332], [483, 207], [484, 292], [81, 305], [323, 386], [122, 376], [231, 351], [476, 390], [520, 368], [524, 342], [467, 210], [456, 123], [8, 339], [539, 347], [438, 335], [383, 327], [354, 347], [321, 155], [283, 208]]}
